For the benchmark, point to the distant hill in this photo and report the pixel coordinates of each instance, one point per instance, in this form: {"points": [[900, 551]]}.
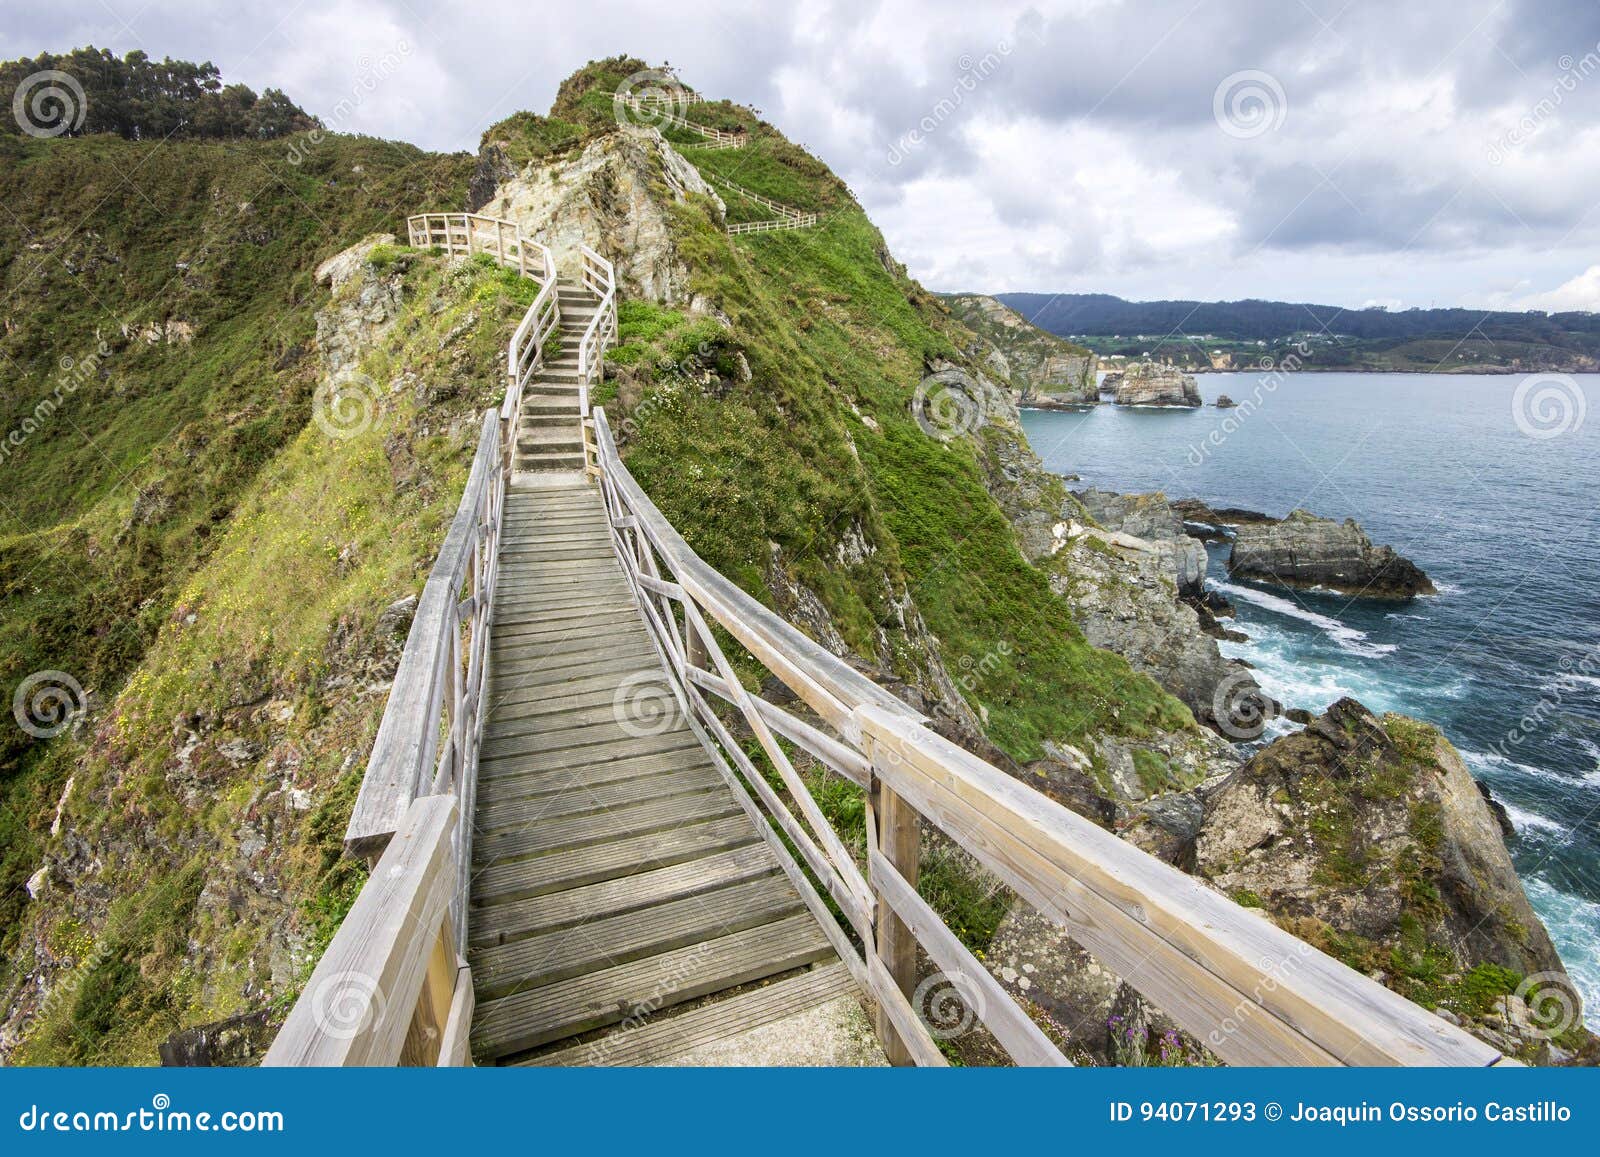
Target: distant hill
{"points": [[1201, 333]]}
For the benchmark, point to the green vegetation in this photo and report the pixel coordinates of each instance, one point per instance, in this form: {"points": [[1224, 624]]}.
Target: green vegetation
{"points": [[820, 446], [157, 337], [140, 99]]}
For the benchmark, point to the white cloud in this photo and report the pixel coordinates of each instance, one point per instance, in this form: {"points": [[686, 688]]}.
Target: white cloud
{"points": [[1579, 293]]}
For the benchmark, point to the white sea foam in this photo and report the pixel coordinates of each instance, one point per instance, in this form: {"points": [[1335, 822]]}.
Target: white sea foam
{"points": [[1348, 638], [1525, 821], [1574, 925], [1491, 761]]}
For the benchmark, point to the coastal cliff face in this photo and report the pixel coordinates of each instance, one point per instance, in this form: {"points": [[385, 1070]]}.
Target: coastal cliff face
{"points": [[1042, 368], [1145, 384], [1369, 838], [1306, 551], [1151, 517]]}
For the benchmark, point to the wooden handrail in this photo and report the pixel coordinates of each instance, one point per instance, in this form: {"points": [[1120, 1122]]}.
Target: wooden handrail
{"points": [[1250, 992], [474, 233], [392, 988], [598, 276]]}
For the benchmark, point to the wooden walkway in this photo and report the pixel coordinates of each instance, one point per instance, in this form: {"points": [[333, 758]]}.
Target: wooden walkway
{"points": [[615, 875]]}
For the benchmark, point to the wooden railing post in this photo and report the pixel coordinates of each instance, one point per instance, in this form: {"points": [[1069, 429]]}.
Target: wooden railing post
{"points": [[898, 842]]}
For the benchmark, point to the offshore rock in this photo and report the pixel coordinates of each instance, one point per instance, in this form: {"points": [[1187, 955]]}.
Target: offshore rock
{"points": [[1145, 384], [1306, 551]]}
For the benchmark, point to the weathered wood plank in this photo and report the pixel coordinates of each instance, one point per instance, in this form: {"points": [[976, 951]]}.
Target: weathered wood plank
{"points": [[584, 798], [618, 938], [527, 1020], [569, 832], [662, 1038], [510, 784], [515, 880]]}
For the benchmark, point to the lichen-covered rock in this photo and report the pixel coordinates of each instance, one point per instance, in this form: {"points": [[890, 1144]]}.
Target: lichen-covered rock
{"points": [[1306, 551], [1150, 517], [1122, 595], [1370, 838], [609, 197]]}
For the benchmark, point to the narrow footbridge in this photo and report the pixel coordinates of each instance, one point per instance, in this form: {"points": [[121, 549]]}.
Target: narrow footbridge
{"points": [[575, 859]]}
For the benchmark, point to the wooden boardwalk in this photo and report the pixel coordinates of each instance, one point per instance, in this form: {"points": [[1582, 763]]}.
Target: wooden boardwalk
{"points": [[615, 876]]}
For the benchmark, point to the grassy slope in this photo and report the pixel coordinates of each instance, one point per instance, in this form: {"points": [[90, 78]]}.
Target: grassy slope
{"points": [[830, 327], [328, 534], [97, 234]]}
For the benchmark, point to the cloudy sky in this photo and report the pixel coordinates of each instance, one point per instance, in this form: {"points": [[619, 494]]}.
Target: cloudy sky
{"points": [[1344, 151]]}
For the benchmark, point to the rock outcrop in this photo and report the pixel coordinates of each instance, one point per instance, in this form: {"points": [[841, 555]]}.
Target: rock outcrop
{"points": [[1151, 517], [1370, 838], [1044, 370], [608, 196], [1306, 551], [1122, 596], [1147, 384]]}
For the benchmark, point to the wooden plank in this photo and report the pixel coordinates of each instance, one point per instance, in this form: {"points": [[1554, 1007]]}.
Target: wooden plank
{"points": [[617, 938], [574, 739], [603, 714], [511, 786], [371, 975], [512, 920], [566, 758], [517, 880], [660, 1039], [455, 1047], [908, 1030], [582, 798], [567, 833], [1012, 1027], [1194, 953], [527, 1020], [897, 848]]}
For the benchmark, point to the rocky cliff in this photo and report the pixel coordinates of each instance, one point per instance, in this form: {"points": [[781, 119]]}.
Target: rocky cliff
{"points": [[1148, 384], [1042, 368], [1369, 838], [1306, 551]]}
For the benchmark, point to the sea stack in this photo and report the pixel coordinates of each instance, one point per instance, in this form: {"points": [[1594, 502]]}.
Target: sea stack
{"points": [[1146, 384], [1306, 551]]}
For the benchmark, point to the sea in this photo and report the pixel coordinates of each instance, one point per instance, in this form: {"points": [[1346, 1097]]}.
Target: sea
{"points": [[1491, 484]]}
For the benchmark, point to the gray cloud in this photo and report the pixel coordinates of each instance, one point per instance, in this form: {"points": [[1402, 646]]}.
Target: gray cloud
{"points": [[1069, 144]]}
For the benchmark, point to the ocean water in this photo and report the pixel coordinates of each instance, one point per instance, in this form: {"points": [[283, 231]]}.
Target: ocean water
{"points": [[1489, 484]]}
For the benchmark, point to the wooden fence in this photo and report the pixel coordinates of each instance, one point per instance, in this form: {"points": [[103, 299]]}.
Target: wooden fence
{"points": [[394, 987], [1249, 991]]}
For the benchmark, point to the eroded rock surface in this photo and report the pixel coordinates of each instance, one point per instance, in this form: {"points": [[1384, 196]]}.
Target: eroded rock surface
{"points": [[1306, 551]]}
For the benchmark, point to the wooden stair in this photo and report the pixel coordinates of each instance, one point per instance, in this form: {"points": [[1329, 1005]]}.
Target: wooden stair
{"points": [[623, 907], [549, 425]]}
